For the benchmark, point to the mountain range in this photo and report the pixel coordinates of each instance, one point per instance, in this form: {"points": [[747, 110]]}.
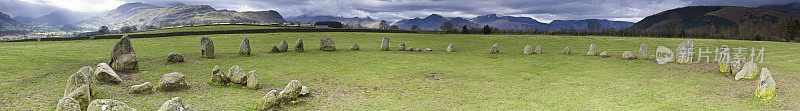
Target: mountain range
{"points": [[356, 22], [434, 21], [140, 14], [790, 8], [6, 20]]}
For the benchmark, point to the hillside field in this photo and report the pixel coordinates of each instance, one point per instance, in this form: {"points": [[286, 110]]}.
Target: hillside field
{"points": [[369, 79]]}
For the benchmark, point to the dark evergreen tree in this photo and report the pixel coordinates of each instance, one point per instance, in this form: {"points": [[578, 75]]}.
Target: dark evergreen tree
{"points": [[486, 29], [414, 27], [464, 30]]}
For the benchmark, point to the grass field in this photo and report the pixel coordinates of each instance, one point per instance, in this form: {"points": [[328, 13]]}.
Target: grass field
{"points": [[369, 79]]}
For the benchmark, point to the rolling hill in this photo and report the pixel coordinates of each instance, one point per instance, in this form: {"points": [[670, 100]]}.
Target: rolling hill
{"points": [[790, 8], [357, 22], [432, 22], [6, 20], [722, 20]]}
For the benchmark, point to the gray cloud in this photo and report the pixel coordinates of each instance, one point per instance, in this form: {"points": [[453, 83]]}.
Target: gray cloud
{"points": [[543, 10]]}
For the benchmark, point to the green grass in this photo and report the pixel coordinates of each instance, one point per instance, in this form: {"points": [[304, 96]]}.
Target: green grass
{"points": [[471, 79], [206, 28]]}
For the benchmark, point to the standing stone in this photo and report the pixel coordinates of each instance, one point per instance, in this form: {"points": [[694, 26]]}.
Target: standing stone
{"points": [[252, 80], [78, 87], [274, 49], [174, 58], [327, 44], [298, 46], [643, 52], [450, 48], [237, 75], [686, 47], [68, 104], [592, 50], [385, 44], [106, 74], [749, 71], [419, 49], [528, 50], [724, 62], [401, 47], [172, 82], [269, 101], [766, 86], [144, 87], [628, 55], [291, 91], [207, 48], [218, 76], [283, 47], [495, 49], [108, 105], [408, 49], [663, 55], [123, 57], [244, 48], [604, 54], [174, 104], [427, 49], [355, 46], [538, 50], [567, 50]]}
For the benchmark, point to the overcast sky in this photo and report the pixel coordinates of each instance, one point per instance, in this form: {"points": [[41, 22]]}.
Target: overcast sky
{"points": [[542, 10]]}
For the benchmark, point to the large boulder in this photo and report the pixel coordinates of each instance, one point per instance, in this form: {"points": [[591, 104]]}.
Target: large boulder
{"points": [[108, 105], [628, 55], [450, 48], [174, 58], [567, 50], [592, 50], [495, 49], [269, 101], [237, 75], [736, 66], [68, 104], [173, 81], [291, 91], [355, 46], [275, 49], [385, 44], [218, 76], [174, 104], [283, 46], [401, 47], [207, 48], [528, 50], [123, 57], [252, 80], [144, 87], [298, 46], [106, 74], [766, 86], [749, 71], [244, 48], [79, 87], [643, 52], [327, 44]]}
